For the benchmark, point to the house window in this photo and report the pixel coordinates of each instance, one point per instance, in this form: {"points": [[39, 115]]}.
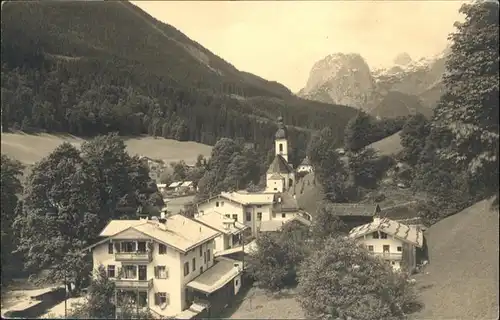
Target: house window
{"points": [[186, 268], [161, 272], [129, 272], [375, 235], [283, 215], [128, 246], [235, 217], [111, 271], [162, 249], [141, 246], [383, 235], [236, 282], [222, 203], [275, 189], [259, 216], [386, 248], [370, 248], [194, 264], [227, 216], [162, 299], [281, 147], [400, 249], [205, 257], [110, 248], [259, 206], [393, 262], [249, 216], [201, 251], [208, 255], [217, 204], [143, 299]]}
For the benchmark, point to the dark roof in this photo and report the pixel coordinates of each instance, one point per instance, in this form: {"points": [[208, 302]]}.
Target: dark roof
{"points": [[287, 203], [279, 165], [354, 209], [306, 162], [282, 132]]}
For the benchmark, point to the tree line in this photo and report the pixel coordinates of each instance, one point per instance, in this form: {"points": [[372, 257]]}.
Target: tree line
{"points": [[66, 200]]}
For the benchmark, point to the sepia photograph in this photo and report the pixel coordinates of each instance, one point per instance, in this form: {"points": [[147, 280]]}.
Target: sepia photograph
{"points": [[326, 160]]}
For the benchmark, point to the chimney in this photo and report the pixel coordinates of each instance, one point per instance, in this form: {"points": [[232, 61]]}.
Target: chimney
{"points": [[162, 215]]}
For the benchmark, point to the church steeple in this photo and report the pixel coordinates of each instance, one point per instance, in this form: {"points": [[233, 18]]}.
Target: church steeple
{"points": [[280, 140]]}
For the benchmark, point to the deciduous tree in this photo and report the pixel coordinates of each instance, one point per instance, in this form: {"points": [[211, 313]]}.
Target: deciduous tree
{"points": [[469, 107], [60, 215], [341, 280]]}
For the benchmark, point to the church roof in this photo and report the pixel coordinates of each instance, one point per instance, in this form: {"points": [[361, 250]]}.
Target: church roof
{"points": [[279, 165], [282, 132], [306, 162]]}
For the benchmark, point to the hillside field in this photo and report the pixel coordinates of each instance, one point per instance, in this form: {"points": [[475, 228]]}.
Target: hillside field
{"points": [[461, 279], [388, 146], [29, 148]]}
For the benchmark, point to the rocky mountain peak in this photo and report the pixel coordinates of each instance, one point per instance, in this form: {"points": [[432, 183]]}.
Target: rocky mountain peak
{"points": [[402, 59], [340, 78]]}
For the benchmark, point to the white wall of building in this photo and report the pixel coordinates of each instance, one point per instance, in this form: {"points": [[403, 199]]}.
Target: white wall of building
{"points": [[395, 256], [174, 260]]}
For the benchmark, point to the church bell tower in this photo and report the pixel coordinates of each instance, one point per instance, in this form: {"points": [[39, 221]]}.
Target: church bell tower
{"points": [[280, 140]]}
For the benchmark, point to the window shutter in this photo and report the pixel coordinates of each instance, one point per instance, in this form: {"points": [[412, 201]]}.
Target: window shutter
{"points": [[167, 299], [157, 299], [156, 272], [166, 273]]}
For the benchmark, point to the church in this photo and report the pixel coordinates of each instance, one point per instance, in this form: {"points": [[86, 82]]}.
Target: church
{"points": [[280, 176]]}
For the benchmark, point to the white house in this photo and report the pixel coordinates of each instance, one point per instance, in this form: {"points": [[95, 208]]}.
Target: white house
{"points": [[187, 185], [161, 187], [231, 231], [255, 210], [305, 166], [390, 240], [175, 185], [165, 265]]}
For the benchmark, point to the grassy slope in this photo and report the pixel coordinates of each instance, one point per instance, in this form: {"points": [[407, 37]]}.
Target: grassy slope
{"points": [[31, 148], [388, 146], [461, 280]]}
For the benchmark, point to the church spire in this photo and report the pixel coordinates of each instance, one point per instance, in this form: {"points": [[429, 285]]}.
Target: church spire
{"points": [[280, 140]]}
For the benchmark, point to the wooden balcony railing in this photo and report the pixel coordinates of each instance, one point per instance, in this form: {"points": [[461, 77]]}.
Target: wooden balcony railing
{"points": [[389, 255], [133, 283], [133, 256]]}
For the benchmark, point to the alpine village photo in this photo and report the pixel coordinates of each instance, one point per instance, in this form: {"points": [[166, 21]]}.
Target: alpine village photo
{"points": [[328, 160]]}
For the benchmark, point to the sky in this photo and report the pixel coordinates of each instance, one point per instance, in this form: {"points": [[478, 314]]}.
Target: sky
{"points": [[281, 40]]}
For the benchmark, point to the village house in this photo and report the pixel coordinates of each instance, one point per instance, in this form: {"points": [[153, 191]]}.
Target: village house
{"points": [[166, 266], [305, 166], [161, 187], [259, 211], [155, 167], [392, 241], [232, 232]]}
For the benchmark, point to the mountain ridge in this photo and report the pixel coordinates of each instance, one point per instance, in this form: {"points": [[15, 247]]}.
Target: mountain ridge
{"points": [[94, 67], [417, 83]]}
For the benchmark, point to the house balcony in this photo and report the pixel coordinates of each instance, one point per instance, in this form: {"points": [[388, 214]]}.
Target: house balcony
{"points": [[133, 257], [389, 255], [134, 284]]}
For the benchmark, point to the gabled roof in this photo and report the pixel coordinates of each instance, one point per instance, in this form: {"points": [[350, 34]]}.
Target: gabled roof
{"points": [[354, 209], [276, 225], [243, 197], [412, 235], [279, 165], [180, 232], [186, 183], [284, 202], [216, 220], [161, 185], [175, 184], [305, 162]]}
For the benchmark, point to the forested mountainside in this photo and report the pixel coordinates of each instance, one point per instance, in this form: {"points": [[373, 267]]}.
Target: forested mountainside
{"points": [[95, 67]]}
